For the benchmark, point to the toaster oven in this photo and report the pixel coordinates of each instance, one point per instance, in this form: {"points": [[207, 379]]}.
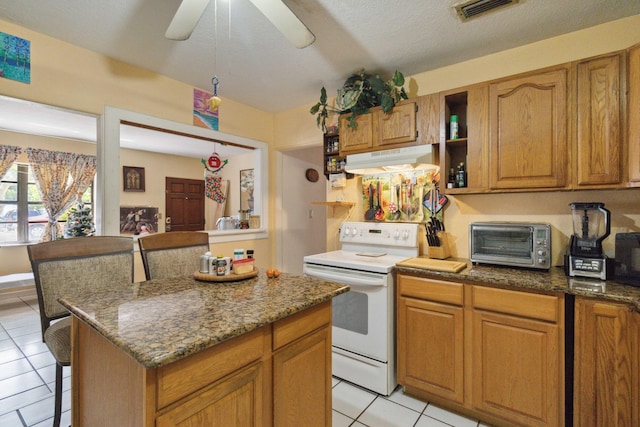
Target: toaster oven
{"points": [[514, 244]]}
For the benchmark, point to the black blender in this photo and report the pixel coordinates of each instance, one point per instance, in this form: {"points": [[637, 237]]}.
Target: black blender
{"points": [[590, 227]]}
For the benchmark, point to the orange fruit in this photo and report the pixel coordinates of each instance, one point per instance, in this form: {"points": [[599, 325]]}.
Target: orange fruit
{"points": [[276, 272], [269, 272]]}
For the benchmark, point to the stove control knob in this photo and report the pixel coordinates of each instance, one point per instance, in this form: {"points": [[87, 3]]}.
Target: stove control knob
{"points": [[396, 235], [405, 234]]}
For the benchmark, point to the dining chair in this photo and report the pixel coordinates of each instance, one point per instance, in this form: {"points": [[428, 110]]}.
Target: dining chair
{"points": [[68, 266], [172, 254]]}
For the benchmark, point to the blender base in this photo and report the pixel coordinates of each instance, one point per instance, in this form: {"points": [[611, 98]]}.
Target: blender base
{"points": [[580, 266]]}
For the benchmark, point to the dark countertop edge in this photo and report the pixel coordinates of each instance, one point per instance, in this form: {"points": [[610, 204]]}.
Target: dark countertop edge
{"points": [[508, 282], [224, 335]]}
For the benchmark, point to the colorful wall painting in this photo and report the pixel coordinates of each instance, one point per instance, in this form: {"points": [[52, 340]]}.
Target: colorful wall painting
{"points": [[138, 220], [202, 116], [15, 58]]}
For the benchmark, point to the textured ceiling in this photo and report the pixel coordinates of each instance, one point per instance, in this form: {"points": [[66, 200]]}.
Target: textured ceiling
{"points": [[257, 66]]}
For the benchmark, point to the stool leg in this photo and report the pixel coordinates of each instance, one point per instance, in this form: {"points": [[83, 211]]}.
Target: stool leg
{"points": [[58, 397]]}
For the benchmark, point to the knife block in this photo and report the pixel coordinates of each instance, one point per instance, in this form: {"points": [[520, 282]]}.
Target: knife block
{"points": [[442, 251]]}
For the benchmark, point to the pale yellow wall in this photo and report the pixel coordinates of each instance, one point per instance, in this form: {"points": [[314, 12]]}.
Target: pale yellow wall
{"points": [[547, 207], [14, 259], [78, 79]]}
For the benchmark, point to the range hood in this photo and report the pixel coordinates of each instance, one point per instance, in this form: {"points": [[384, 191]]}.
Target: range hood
{"points": [[417, 157]]}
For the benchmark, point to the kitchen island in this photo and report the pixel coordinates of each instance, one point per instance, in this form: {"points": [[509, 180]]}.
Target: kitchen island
{"points": [[180, 351]]}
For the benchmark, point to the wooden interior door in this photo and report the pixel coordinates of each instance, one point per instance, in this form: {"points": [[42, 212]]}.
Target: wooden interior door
{"points": [[184, 204]]}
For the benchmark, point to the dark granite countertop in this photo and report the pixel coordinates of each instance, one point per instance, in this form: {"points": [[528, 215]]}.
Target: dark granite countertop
{"points": [[553, 280], [160, 321]]}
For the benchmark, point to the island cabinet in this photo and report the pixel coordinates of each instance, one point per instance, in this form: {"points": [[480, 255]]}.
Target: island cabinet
{"points": [[379, 130], [634, 116], [599, 114], [529, 130], [493, 354], [606, 364], [277, 375]]}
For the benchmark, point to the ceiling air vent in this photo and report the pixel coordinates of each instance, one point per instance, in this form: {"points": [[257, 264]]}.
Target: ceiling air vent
{"points": [[474, 8]]}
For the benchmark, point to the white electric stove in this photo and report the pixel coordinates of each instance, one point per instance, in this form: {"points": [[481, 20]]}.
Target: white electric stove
{"points": [[363, 334]]}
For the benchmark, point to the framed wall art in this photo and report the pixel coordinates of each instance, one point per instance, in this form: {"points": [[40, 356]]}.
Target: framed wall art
{"points": [[138, 220], [133, 178], [246, 190]]}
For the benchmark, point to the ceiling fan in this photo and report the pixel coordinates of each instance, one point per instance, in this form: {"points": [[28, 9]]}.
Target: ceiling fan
{"points": [[190, 11]]}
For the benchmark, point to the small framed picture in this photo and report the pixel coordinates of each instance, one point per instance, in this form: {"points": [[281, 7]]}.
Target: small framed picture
{"points": [[133, 178], [246, 190]]}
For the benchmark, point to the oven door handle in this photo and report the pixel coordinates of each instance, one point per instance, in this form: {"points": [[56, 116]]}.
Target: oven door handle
{"points": [[346, 277]]}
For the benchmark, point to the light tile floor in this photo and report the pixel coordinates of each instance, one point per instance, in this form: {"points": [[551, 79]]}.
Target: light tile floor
{"points": [[27, 381]]}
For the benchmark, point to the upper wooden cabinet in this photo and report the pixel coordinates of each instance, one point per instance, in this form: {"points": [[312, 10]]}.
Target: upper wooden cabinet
{"points": [[471, 105], [599, 136], [528, 131], [356, 140], [634, 116], [380, 131]]}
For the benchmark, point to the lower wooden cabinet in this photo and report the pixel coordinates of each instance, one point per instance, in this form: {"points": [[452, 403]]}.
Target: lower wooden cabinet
{"points": [[234, 401], [301, 393], [278, 375], [430, 336], [493, 354], [606, 364]]}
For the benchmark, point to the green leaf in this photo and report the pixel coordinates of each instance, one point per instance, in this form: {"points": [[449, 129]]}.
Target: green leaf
{"points": [[398, 78], [315, 108], [387, 103], [323, 96]]}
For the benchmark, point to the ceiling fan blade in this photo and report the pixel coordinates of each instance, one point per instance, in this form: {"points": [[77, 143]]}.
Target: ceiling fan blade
{"points": [[286, 22], [186, 18]]}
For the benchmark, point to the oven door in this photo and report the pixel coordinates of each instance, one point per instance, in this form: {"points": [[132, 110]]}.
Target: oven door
{"points": [[362, 317], [502, 244]]}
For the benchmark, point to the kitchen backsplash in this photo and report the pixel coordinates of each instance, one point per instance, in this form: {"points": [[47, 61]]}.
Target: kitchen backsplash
{"points": [[548, 207]]}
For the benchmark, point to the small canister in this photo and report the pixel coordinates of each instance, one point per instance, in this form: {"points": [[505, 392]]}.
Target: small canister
{"points": [[250, 253], [204, 263], [221, 266], [238, 254], [454, 126]]}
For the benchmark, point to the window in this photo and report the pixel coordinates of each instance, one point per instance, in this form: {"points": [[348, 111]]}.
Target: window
{"points": [[22, 214]]}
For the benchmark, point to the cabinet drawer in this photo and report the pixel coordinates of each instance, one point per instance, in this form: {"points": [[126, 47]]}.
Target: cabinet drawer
{"points": [[431, 289], [295, 326], [524, 304], [185, 376]]}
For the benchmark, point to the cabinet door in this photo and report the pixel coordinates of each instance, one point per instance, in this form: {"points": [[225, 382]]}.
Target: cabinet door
{"points": [[599, 137], [516, 369], [302, 396], [428, 121], [430, 347], [233, 401], [634, 115], [398, 126], [528, 131], [606, 365], [359, 139]]}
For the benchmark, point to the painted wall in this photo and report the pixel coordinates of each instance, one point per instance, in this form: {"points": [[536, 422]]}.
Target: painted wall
{"points": [[68, 76], [547, 207], [157, 167]]}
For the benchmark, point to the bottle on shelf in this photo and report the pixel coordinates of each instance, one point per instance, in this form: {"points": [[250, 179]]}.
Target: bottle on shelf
{"points": [[462, 176], [453, 122], [451, 182]]}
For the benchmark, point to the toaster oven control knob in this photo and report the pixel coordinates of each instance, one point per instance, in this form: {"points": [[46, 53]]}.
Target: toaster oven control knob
{"points": [[542, 261], [542, 252]]}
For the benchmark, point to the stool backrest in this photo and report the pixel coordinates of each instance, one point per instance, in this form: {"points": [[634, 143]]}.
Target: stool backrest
{"points": [[68, 266], [172, 254]]}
